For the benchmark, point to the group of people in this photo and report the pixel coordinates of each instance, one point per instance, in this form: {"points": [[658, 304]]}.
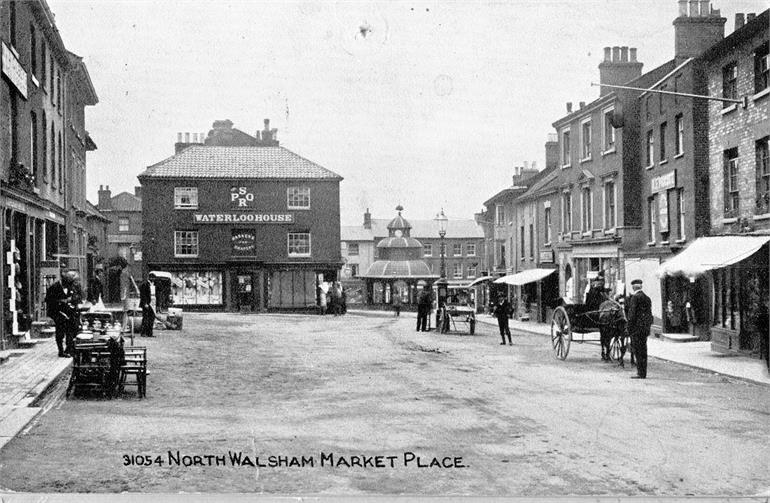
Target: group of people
{"points": [[333, 299]]}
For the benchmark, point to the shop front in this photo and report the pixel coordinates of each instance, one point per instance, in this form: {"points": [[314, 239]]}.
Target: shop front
{"points": [[589, 261], [535, 293]]}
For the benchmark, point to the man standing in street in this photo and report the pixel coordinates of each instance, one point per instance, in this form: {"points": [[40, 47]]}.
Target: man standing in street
{"points": [[639, 323], [423, 309], [502, 310], [61, 300], [145, 302]]}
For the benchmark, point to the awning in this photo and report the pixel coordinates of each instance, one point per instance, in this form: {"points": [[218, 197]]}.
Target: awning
{"points": [[161, 274], [524, 277], [712, 252], [480, 280]]}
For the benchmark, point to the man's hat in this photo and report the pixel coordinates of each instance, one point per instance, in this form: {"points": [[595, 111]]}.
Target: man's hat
{"points": [[636, 282]]}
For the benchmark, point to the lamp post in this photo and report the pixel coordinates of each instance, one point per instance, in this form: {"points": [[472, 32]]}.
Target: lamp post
{"points": [[441, 284]]}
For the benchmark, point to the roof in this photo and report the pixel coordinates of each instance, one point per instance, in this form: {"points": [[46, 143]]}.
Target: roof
{"points": [[399, 223], [93, 212], [399, 242], [125, 201], [668, 75], [355, 233], [751, 28], [515, 189], [395, 269], [201, 161]]}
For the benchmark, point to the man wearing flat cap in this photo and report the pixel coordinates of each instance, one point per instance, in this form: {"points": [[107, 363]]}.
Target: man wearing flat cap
{"points": [[639, 323]]}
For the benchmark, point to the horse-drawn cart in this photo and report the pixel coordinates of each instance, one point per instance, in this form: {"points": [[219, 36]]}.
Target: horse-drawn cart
{"points": [[571, 319], [451, 314]]}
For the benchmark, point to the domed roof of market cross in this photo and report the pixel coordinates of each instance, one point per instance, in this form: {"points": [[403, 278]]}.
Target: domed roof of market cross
{"points": [[398, 233]]}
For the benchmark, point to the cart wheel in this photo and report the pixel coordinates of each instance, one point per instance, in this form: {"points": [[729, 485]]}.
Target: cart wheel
{"points": [[472, 324], [561, 333]]}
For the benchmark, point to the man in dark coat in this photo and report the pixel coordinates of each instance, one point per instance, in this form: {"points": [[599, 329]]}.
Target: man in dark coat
{"points": [[639, 323], [96, 289], [424, 302], [145, 302], [61, 300], [502, 310]]}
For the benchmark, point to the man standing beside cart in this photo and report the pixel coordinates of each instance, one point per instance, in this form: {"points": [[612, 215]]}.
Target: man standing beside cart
{"points": [[639, 323]]}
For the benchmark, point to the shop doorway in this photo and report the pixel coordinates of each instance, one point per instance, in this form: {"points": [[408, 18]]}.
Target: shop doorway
{"points": [[245, 292]]}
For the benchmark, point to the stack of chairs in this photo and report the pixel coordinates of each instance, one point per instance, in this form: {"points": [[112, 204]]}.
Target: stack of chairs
{"points": [[135, 364]]}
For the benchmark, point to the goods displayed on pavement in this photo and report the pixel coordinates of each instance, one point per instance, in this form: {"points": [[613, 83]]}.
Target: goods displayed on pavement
{"points": [[457, 309]]}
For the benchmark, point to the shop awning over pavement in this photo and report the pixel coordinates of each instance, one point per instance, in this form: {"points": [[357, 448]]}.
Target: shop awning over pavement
{"points": [[480, 280], [712, 252], [524, 277]]}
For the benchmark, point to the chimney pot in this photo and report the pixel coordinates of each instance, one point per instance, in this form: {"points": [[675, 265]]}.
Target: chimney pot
{"points": [[526, 165], [704, 8], [683, 8], [267, 124], [202, 137], [569, 107], [624, 54], [534, 163], [101, 187], [750, 17], [582, 104], [607, 53], [179, 137], [694, 7], [632, 52], [616, 54], [739, 20], [187, 137]]}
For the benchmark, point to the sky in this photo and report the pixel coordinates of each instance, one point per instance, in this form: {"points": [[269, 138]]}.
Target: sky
{"points": [[430, 105]]}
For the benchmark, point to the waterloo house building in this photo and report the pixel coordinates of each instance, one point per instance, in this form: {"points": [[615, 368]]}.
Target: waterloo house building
{"points": [[240, 222]]}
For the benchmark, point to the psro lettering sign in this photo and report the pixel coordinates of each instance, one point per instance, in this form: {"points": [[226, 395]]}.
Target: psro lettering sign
{"points": [[240, 197]]}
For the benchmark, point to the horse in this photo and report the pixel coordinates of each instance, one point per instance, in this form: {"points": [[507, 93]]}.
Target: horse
{"points": [[612, 327]]}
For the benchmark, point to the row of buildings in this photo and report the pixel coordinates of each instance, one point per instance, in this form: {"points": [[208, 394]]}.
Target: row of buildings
{"points": [[652, 180]]}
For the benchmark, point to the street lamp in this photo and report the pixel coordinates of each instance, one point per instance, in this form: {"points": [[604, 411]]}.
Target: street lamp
{"points": [[441, 284]]}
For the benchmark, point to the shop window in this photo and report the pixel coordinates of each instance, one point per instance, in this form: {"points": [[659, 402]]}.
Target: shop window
{"points": [[608, 131], [472, 271], [761, 68], [298, 198], [352, 248], [566, 159], [196, 288], [585, 139], [470, 249], [185, 243], [427, 250], [679, 143], [729, 83], [458, 271], [123, 224], [731, 195], [298, 244], [763, 176], [662, 148], [587, 209], [457, 249], [185, 197], [609, 205]]}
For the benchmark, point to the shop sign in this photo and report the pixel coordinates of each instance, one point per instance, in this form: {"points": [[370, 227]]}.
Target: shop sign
{"points": [[14, 71], [241, 197], [663, 211], [244, 243], [546, 257], [243, 218], [663, 182]]}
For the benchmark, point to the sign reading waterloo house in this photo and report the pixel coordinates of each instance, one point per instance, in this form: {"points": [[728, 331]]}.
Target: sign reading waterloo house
{"points": [[241, 198]]}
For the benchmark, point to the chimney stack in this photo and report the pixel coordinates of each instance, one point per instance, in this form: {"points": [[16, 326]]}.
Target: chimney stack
{"points": [[179, 137], [624, 54], [105, 198], [367, 219], [750, 17], [569, 107], [618, 69], [582, 104], [551, 151], [739, 21], [608, 54], [696, 29], [138, 191]]}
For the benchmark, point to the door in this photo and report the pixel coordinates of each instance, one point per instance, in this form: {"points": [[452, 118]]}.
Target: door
{"points": [[244, 292]]}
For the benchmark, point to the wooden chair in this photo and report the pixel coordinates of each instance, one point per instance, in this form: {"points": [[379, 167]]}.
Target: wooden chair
{"points": [[90, 367], [135, 365]]}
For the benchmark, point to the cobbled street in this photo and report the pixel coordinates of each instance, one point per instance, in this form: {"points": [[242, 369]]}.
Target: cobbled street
{"points": [[359, 387]]}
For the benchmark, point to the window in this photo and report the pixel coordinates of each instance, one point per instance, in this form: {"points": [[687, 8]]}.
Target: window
{"points": [[763, 175], [185, 243], [500, 217], [185, 197], [648, 108], [33, 50], [729, 83], [587, 213], [458, 271], [471, 271], [196, 287], [299, 244], [565, 149], [652, 211], [43, 63], [427, 250], [677, 87], [566, 212], [62, 181], [53, 81], [585, 139], [12, 23], [608, 131], [650, 149], [470, 249], [501, 259], [122, 224], [679, 144], [44, 142], [354, 270], [352, 248], [547, 229], [457, 249], [761, 68], [660, 99], [681, 208], [531, 242], [521, 244], [33, 143], [609, 205], [731, 182], [53, 155], [58, 90], [662, 149], [298, 198]]}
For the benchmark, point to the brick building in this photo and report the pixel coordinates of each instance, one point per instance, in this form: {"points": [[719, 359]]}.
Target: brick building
{"points": [[241, 223], [43, 144]]}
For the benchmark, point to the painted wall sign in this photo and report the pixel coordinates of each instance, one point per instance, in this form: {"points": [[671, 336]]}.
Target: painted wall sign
{"points": [[663, 211], [251, 218], [241, 197], [546, 257], [244, 242], [663, 182], [14, 71]]}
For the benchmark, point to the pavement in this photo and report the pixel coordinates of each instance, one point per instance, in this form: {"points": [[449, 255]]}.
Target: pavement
{"points": [[25, 374]]}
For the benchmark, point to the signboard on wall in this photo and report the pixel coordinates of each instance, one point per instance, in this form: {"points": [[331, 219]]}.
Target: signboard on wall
{"points": [[663, 211], [546, 257], [14, 71], [250, 218], [663, 182], [244, 242], [241, 198]]}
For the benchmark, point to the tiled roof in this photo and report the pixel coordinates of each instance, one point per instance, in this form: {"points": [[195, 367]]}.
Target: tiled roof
{"points": [[126, 201], [356, 233], [399, 269], [93, 211], [200, 161]]}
